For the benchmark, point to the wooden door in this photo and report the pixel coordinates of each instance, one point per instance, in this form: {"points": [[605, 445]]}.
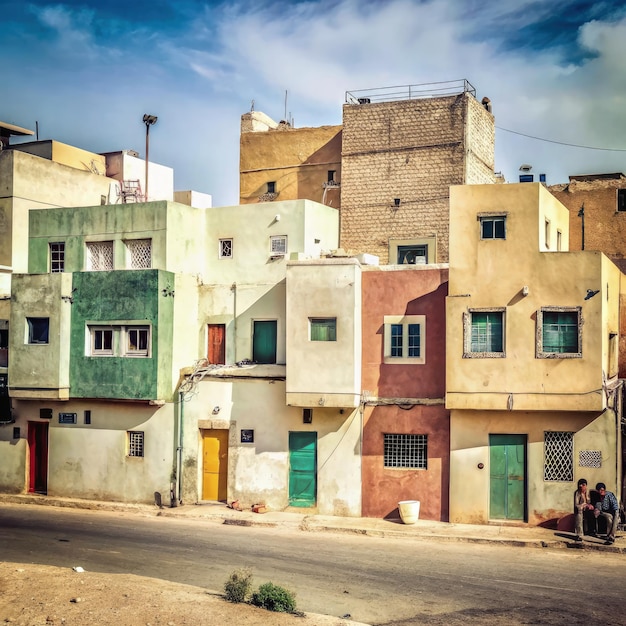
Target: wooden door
{"points": [[214, 464], [216, 352], [507, 476]]}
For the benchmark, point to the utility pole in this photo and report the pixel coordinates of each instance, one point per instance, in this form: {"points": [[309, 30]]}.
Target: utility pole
{"points": [[148, 120]]}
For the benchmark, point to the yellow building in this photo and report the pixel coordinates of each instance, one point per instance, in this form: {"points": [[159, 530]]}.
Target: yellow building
{"points": [[531, 358]]}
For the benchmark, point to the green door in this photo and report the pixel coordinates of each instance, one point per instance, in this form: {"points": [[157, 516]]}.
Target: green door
{"points": [[302, 468], [507, 476], [264, 342]]}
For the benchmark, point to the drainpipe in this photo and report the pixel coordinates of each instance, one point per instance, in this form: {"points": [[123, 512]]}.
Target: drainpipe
{"points": [[179, 449], [233, 288]]}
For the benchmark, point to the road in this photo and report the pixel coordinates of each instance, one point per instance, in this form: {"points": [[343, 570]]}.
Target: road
{"points": [[376, 580]]}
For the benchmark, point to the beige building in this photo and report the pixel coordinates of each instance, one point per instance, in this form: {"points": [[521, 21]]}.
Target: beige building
{"points": [[531, 358]]}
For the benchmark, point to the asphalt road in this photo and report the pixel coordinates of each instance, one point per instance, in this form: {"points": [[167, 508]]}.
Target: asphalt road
{"points": [[375, 580]]}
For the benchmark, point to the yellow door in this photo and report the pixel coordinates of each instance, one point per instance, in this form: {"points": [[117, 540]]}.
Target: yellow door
{"points": [[215, 464]]}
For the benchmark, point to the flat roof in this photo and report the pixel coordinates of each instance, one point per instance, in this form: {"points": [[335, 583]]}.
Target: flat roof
{"points": [[6, 130]]}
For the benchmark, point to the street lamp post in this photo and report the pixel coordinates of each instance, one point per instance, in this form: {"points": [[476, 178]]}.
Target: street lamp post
{"points": [[148, 120]]}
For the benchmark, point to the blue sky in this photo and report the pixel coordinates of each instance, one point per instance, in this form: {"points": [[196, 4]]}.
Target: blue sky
{"points": [[87, 72]]}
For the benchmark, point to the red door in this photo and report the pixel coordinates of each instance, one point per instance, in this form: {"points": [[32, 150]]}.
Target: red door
{"points": [[217, 344], [38, 447]]}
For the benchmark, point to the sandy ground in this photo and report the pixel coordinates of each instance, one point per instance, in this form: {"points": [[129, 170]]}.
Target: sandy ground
{"points": [[33, 595]]}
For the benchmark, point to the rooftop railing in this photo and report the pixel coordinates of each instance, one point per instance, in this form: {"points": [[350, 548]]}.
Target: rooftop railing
{"points": [[410, 92]]}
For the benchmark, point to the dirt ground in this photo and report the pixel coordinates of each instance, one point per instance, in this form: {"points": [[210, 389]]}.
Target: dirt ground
{"points": [[33, 595]]}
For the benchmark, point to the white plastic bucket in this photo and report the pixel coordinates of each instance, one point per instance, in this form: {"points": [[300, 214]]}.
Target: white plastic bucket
{"points": [[409, 511]]}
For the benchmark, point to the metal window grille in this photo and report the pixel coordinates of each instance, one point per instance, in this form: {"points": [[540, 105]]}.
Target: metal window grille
{"points": [[226, 248], [135, 443], [278, 245], [590, 458], [558, 456], [57, 257], [100, 256], [560, 332], [140, 252], [408, 451]]}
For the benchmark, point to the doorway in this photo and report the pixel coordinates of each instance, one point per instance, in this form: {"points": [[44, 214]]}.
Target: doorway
{"points": [[38, 450], [302, 469], [507, 477], [214, 464], [216, 349], [264, 341]]}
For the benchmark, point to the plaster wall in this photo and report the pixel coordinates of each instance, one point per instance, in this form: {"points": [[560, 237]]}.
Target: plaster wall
{"points": [[546, 501], [13, 453], [259, 471], [324, 373], [296, 159], [65, 155], [125, 166], [194, 199]]}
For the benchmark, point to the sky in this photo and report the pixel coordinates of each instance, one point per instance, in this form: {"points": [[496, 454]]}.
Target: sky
{"points": [[87, 72]]}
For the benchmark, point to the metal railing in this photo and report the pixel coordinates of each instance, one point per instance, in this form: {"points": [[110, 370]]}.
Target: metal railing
{"points": [[410, 92]]}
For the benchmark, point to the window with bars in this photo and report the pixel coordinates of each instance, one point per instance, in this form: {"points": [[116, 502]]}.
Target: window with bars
{"points": [[560, 332], [278, 245], [484, 333], [323, 328], [99, 256], [558, 463], [404, 339], [406, 451], [139, 253], [57, 257], [226, 248], [135, 443]]}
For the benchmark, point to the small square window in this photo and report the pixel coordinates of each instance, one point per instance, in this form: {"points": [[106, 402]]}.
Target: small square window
{"points": [[271, 187], [57, 257], [406, 451], [135, 443], [484, 333], [323, 328], [226, 248], [404, 339], [493, 227], [559, 333], [38, 329], [278, 245], [137, 341], [99, 256]]}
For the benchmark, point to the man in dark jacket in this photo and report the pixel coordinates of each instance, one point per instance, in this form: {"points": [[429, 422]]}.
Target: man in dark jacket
{"points": [[608, 507]]}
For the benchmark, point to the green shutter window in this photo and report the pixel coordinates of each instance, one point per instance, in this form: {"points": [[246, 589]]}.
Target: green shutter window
{"points": [[323, 328], [487, 332], [560, 332]]}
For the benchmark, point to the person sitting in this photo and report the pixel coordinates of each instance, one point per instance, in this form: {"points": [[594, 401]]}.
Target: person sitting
{"points": [[607, 507], [582, 509]]}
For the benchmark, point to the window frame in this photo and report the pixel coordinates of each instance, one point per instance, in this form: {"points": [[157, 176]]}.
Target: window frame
{"points": [[135, 449], [329, 323], [142, 331], [468, 352], [541, 353], [274, 251], [405, 321], [30, 331], [485, 218], [57, 257], [120, 337], [90, 246], [129, 243], [549, 451], [96, 331], [223, 243], [405, 250]]}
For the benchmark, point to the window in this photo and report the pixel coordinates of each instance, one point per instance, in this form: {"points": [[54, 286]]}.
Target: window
{"points": [[135, 443], [547, 233], [119, 340], [484, 333], [139, 253], [558, 463], [559, 236], [278, 245], [492, 227], [102, 341], [226, 248], [559, 332], [271, 187], [137, 341], [99, 256], [57, 257], [404, 339], [331, 176], [38, 329], [406, 451], [621, 199], [323, 328], [412, 255]]}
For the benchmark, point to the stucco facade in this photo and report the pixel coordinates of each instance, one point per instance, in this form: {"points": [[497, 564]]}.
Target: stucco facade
{"points": [[531, 356], [401, 397]]}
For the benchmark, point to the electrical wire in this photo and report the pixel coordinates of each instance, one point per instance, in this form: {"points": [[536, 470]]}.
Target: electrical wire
{"points": [[561, 143]]}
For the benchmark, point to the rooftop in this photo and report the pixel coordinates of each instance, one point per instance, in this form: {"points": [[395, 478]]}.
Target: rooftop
{"points": [[410, 92]]}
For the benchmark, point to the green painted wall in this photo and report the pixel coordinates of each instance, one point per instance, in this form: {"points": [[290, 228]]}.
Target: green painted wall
{"points": [[115, 297]]}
